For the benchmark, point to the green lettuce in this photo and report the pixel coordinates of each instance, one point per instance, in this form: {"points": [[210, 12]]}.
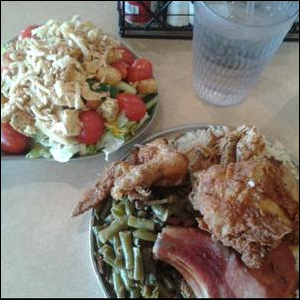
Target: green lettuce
{"points": [[39, 151]]}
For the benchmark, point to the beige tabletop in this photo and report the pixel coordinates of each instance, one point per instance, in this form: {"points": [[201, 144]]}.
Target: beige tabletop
{"points": [[45, 253]]}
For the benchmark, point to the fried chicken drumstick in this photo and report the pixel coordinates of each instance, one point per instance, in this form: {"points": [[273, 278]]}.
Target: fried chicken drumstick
{"points": [[154, 164]]}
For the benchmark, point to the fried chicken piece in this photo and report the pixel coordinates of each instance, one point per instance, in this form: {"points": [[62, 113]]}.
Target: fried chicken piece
{"points": [[160, 165], [250, 144], [155, 163], [227, 147], [233, 146], [250, 206], [93, 197]]}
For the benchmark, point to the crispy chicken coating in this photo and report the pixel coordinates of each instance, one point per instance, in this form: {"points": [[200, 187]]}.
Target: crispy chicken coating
{"points": [[155, 164], [249, 206], [232, 146]]}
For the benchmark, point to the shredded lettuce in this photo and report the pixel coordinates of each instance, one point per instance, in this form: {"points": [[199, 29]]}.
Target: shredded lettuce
{"points": [[39, 151], [91, 149], [123, 128], [109, 143], [63, 153]]}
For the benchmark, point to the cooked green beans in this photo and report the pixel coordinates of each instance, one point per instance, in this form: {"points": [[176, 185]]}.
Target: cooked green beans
{"points": [[118, 211], [108, 256], [135, 293], [109, 218], [126, 242], [118, 285], [116, 243], [161, 212], [149, 266], [125, 233], [144, 235], [128, 283], [138, 271], [141, 223], [129, 208], [119, 262], [114, 228]]}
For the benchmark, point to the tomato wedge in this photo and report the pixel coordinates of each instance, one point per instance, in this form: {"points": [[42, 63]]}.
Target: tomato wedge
{"points": [[140, 70], [132, 105], [127, 57], [93, 127], [13, 142]]}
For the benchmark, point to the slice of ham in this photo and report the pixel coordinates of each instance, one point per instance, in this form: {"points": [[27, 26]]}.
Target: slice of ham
{"points": [[215, 271]]}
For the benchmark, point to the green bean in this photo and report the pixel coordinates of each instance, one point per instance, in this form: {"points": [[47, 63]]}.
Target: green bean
{"points": [[137, 242], [107, 251], [140, 223], [130, 274], [119, 252], [162, 213], [114, 228], [155, 293], [118, 285], [147, 257], [96, 229], [118, 211], [138, 271], [109, 218], [108, 256], [119, 262], [97, 214], [135, 293], [129, 208], [149, 266], [144, 235], [126, 242], [146, 292], [128, 283], [116, 243], [104, 211]]}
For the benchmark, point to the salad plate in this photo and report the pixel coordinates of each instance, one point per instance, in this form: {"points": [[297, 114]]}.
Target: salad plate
{"points": [[85, 64]]}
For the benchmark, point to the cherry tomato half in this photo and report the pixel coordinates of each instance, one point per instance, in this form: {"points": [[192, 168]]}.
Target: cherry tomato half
{"points": [[13, 142], [121, 67], [93, 127], [26, 33], [140, 70], [132, 105], [128, 57]]}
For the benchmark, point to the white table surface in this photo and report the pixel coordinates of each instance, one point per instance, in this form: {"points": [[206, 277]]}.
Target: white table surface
{"points": [[45, 253]]}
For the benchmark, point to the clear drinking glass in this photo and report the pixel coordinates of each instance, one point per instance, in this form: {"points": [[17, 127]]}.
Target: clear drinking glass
{"points": [[232, 45]]}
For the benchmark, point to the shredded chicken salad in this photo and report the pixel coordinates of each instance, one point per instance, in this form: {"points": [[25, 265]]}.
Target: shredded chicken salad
{"points": [[62, 70]]}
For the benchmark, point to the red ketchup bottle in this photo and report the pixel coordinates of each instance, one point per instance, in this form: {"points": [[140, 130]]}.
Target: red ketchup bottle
{"points": [[136, 13]]}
